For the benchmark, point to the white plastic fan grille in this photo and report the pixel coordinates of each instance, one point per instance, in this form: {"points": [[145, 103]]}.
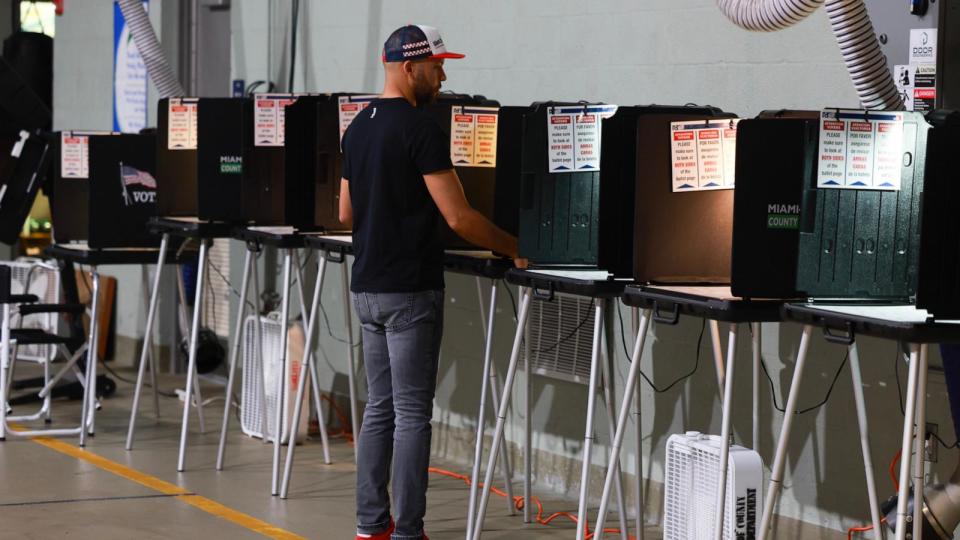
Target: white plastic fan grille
{"points": [[692, 473], [252, 396], [43, 281], [568, 318]]}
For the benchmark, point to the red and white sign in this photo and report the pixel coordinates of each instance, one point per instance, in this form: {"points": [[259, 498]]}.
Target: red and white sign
{"points": [[269, 118], [74, 155], [703, 154], [181, 124], [573, 137], [860, 150]]}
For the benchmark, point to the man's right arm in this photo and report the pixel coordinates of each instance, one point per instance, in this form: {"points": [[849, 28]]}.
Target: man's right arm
{"points": [[447, 192]]}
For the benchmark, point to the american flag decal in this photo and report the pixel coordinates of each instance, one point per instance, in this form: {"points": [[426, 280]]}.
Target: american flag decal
{"points": [[135, 177]]}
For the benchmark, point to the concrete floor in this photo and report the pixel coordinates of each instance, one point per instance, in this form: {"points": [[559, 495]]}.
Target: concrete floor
{"points": [[50, 490]]}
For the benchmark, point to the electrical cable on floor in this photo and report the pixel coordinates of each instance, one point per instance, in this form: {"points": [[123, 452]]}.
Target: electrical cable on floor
{"points": [[518, 500], [696, 363]]}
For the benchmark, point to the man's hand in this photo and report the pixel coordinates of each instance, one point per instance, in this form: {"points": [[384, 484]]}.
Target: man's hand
{"points": [[520, 263]]}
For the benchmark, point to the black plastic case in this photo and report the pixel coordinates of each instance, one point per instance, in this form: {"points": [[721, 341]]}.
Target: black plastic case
{"points": [[776, 161]]}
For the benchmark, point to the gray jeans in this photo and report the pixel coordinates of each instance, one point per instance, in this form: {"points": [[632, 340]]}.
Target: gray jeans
{"points": [[401, 348]]}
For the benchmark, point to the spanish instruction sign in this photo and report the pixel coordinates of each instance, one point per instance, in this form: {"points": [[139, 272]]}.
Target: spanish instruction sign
{"points": [[473, 136], [573, 137], [350, 107], [269, 118], [860, 150], [703, 154], [182, 124]]}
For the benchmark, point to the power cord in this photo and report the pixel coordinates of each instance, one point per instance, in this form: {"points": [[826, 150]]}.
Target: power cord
{"points": [[696, 363], [896, 376], [569, 335]]}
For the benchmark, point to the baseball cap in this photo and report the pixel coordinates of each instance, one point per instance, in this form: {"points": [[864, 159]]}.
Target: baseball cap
{"points": [[415, 42]]}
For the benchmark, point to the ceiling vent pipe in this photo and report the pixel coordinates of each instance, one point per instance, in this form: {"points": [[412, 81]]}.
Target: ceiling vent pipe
{"points": [[158, 68], [852, 29]]}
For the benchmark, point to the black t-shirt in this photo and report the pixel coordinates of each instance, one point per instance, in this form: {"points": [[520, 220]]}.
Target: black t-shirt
{"points": [[386, 151]]}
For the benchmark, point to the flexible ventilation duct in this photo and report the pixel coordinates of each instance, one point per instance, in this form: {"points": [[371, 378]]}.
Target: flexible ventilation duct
{"points": [[852, 29], [159, 70]]}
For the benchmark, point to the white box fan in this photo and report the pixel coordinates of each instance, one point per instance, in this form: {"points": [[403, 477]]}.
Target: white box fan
{"points": [[692, 473], [252, 397]]}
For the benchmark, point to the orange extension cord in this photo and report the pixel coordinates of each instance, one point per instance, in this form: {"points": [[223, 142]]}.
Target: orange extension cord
{"points": [[518, 502], [896, 487]]}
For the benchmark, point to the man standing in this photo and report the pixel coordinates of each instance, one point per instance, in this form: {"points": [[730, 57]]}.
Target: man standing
{"points": [[398, 181]]}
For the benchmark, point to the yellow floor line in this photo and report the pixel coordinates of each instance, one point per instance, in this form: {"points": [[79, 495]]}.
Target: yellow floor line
{"points": [[207, 505]]}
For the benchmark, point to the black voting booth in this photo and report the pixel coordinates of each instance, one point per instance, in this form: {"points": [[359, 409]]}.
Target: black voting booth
{"points": [[23, 163], [104, 189], [939, 288], [312, 156], [200, 169], [479, 183], [677, 237], [776, 161], [506, 210], [865, 243]]}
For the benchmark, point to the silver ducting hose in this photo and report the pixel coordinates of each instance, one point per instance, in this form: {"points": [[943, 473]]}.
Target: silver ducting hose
{"points": [[158, 68], [852, 29]]}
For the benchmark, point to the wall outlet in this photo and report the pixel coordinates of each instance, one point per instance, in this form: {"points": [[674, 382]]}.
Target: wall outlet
{"points": [[931, 442]]}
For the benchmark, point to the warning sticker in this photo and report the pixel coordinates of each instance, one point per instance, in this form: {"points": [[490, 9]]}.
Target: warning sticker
{"points": [[917, 85], [269, 118], [350, 107], [573, 137], [703, 154], [182, 124], [473, 136], [860, 150], [74, 155]]}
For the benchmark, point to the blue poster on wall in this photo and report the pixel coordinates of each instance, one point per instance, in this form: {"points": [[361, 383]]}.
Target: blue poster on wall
{"points": [[129, 78]]}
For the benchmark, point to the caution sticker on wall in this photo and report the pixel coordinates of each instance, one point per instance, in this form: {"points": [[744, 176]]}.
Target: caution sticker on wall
{"points": [[269, 118], [860, 150], [473, 136], [573, 137], [182, 124], [349, 107], [703, 154]]}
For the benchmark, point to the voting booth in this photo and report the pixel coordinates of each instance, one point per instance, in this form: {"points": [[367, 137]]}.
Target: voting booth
{"points": [[667, 175], [104, 188], [471, 124], [560, 183], [860, 222], [314, 127], [776, 162]]}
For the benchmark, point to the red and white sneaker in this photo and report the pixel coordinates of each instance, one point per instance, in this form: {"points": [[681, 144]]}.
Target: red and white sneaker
{"points": [[385, 535]]}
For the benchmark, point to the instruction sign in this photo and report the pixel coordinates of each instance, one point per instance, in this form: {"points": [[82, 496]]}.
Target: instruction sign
{"points": [[473, 136], [573, 137], [182, 124], [860, 150], [349, 107], [269, 118], [703, 154], [75, 152]]}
